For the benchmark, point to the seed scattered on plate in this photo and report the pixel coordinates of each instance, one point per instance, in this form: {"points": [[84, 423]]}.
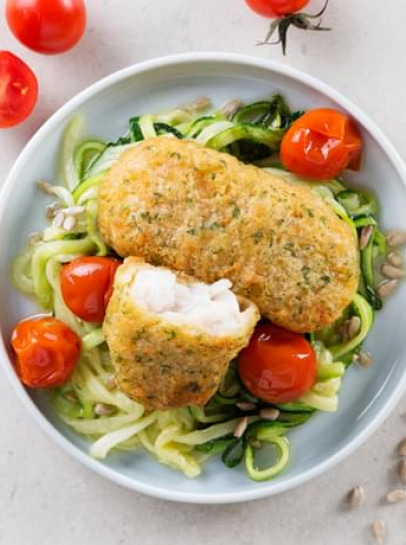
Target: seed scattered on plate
{"points": [[111, 382], [255, 443], [241, 426], [231, 107], [394, 259], [69, 223], [59, 219], [45, 186], [402, 447], [246, 406], [378, 529], [402, 469], [102, 409], [74, 210], [386, 287], [365, 359], [365, 236], [396, 238], [391, 272], [395, 496], [269, 414], [356, 497]]}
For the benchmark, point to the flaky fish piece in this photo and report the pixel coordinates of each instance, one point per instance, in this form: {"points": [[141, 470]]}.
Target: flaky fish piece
{"points": [[171, 338], [196, 210]]}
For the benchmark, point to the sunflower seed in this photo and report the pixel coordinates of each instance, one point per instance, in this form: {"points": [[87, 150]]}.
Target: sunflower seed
{"points": [[356, 497], [101, 409], [402, 448], [246, 406], [392, 272], [378, 529], [111, 382], [394, 259], [45, 186], [255, 443], [231, 107], [71, 397], [69, 223], [354, 325], [241, 426], [365, 236], [269, 414], [387, 287], [396, 238], [402, 469], [395, 496], [201, 103], [74, 210], [365, 359], [52, 209]]}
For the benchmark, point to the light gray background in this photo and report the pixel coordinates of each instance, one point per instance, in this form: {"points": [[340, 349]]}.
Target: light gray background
{"points": [[47, 498]]}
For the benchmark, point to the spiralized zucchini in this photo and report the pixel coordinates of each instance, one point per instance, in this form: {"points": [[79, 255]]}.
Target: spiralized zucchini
{"points": [[184, 439]]}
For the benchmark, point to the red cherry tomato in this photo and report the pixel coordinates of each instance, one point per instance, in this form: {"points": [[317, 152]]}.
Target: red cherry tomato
{"points": [[321, 144], [18, 90], [47, 352], [87, 285], [47, 26], [276, 8], [278, 366]]}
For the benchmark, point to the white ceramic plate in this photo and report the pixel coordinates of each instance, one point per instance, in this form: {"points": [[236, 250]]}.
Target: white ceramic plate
{"points": [[367, 396]]}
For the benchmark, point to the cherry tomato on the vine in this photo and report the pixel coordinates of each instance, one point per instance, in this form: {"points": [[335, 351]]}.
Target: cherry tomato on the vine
{"points": [[278, 366], [276, 8], [87, 285], [47, 26], [321, 144], [47, 352], [18, 90]]}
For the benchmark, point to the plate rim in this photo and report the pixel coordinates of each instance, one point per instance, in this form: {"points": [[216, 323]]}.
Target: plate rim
{"points": [[6, 364]]}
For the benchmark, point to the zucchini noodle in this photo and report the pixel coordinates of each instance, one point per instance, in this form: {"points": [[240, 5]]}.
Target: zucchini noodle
{"points": [[184, 439]]}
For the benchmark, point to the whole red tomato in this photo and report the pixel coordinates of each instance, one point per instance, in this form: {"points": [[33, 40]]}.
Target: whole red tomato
{"points": [[18, 90], [47, 352], [278, 366], [47, 26], [321, 144], [276, 8], [87, 285]]}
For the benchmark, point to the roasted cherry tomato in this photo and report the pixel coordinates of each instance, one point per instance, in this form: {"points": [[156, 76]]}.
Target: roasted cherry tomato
{"points": [[321, 144], [18, 90], [47, 26], [278, 366], [47, 352], [87, 285], [276, 8]]}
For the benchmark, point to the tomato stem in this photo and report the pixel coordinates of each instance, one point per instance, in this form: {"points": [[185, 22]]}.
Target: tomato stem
{"points": [[302, 21]]}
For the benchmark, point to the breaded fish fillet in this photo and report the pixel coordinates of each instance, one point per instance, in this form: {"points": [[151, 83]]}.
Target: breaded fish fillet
{"points": [[203, 212], [170, 337]]}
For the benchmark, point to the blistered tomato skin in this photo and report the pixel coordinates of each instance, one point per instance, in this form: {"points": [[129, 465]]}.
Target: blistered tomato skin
{"points": [[278, 366], [87, 285], [321, 144], [46, 350]]}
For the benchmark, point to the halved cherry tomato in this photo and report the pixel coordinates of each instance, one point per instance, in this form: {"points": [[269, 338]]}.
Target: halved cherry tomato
{"points": [[47, 26], [47, 352], [87, 285], [321, 144], [276, 8], [278, 366], [18, 90]]}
